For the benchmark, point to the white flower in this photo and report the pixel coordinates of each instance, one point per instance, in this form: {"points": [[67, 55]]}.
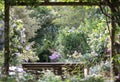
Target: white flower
{"points": [[76, 54]]}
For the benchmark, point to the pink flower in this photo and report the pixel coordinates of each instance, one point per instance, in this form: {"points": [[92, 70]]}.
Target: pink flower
{"points": [[107, 51], [55, 56]]}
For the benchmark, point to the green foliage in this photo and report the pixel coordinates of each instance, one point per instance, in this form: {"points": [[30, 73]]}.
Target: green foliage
{"points": [[97, 40], [116, 60], [20, 28], [76, 0], [45, 36], [94, 79], [26, 77], [30, 24], [16, 39], [24, 1], [28, 54], [1, 58], [70, 40], [1, 9], [106, 67], [69, 16], [48, 29], [48, 76], [97, 36], [7, 79], [86, 37], [1, 5], [86, 33], [87, 79], [43, 51]]}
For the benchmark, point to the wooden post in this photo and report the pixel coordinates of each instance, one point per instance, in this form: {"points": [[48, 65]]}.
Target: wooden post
{"points": [[6, 39], [112, 36]]}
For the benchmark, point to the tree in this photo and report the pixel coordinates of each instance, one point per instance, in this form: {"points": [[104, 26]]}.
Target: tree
{"points": [[30, 24], [22, 29], [70, 40], [45, 36], [69, 16]]}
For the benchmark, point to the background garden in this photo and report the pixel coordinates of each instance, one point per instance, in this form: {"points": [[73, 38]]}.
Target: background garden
{"points": [[58, 34]]}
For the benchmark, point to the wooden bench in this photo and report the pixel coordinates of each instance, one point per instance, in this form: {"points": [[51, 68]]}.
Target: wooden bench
{"points": [[57, 67]]}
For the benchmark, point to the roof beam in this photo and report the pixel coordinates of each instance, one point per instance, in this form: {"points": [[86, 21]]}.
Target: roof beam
{"points": [[58, 4]]}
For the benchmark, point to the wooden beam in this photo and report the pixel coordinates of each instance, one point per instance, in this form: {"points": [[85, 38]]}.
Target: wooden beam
{"points": [[58, 4], [6, 40], [113, 69]]}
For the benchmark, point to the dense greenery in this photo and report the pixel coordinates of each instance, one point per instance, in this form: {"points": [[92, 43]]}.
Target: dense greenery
{"points": [[73, 35], [48, 77], [77, 33], [70, 40], [45, 36]]}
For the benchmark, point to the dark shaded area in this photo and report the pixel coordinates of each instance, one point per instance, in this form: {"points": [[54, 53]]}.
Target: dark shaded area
{"points": [[117, 47], [44, 56]]}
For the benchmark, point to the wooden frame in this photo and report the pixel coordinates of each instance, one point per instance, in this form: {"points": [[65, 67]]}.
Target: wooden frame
{"points": [[55, 3], [111, 3]]}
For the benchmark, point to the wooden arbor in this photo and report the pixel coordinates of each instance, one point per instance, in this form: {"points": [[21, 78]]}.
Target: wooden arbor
{"points": [[112, 4]]}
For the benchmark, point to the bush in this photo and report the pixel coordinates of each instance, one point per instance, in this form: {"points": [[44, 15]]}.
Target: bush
{"points": [[70, 40], [93, 79], [49, 77]]}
